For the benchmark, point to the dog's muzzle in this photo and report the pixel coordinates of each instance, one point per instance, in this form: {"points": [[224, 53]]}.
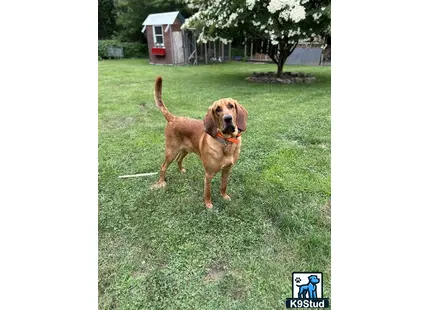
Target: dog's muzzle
{"points": [[228, 124]]}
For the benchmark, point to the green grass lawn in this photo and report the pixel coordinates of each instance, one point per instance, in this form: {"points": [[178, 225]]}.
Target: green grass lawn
{"points": [[161, 249]]}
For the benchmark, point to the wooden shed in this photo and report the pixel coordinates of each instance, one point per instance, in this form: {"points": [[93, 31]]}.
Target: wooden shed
{"points": [[165, 38]]}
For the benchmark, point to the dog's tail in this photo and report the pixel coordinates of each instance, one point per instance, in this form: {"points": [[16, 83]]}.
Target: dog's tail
{"points": [[157, 96]]}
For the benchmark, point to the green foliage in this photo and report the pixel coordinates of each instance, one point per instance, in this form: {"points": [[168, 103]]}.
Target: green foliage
{"points": [[106, 15], [135, 49], [131, 49], [238, 51], [327, 14], [104, 45], [122, 19]]}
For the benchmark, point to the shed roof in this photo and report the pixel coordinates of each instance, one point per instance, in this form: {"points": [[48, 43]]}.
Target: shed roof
{"points": [[163, 18]]}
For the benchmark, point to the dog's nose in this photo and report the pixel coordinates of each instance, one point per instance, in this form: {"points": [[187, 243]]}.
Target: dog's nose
{"points": [[228, 118]]}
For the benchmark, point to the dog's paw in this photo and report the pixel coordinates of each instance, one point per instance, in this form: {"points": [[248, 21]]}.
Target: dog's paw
{"points": [[159, 185], [183, 170], [209, 205], [226, 197]]}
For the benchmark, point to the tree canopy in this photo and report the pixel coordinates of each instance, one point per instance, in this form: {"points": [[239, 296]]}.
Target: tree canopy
{"points": [[107, 22], [275, 20], [282, 22], [122, 19]]}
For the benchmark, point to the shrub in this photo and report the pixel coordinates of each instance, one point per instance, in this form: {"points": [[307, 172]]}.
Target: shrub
{"points": [[237, 51], [135, 50], [103, 47], [131, 49]]}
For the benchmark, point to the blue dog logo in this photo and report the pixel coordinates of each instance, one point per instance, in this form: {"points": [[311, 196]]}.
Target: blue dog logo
{"points": [[309, 290], [309, 295]]}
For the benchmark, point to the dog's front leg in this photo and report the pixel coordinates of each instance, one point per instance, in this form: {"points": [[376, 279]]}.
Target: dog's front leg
{"points": [[224, 180], [207, 191]]}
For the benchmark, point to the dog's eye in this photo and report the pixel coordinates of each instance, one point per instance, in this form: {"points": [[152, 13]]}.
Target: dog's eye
{"points": [[218, 109], [230, 106]]}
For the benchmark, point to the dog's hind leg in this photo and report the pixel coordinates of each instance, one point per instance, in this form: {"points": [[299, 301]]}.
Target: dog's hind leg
{"points": [[170, 156], [180, 158]]}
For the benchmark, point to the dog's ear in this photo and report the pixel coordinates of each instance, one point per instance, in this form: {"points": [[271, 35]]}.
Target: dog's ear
{"points": [[209, 123], [241, 116]]}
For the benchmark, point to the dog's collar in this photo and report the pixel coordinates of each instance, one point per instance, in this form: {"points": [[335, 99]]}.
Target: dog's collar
{"points": [[223, 140]]}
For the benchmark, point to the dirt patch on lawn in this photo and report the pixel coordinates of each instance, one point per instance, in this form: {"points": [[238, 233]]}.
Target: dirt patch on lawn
{"points": [[215, 273]]}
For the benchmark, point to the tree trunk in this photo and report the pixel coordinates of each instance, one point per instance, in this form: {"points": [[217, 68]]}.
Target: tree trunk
{"points": [[285, 51], [280, 66], [279, 55], [271, 52], [281, 58]]}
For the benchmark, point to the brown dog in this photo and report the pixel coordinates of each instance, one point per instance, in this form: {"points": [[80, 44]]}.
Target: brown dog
{"points": [[216, 140]]}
